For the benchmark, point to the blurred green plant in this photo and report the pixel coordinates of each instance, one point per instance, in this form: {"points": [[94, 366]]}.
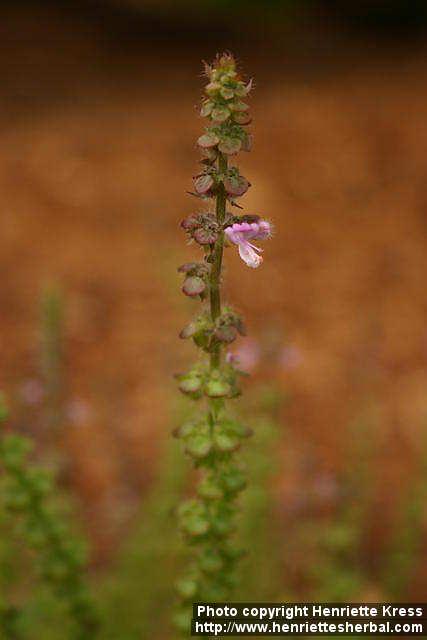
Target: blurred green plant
{"points": [[142, 579], [331, 546], [34, 522], [260, 531], [327, 541], [340, 573], [401, 558]]}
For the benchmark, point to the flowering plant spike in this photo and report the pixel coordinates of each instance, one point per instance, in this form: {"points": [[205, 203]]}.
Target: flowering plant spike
{"points": [[213, 437]]}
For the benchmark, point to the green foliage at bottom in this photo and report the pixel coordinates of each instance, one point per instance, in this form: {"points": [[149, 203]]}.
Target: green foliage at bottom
{"points": [[44, 592], [38, 548]]}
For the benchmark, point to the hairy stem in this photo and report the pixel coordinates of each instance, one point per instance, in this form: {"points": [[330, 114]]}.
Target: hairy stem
{"points": [[215, 276]]}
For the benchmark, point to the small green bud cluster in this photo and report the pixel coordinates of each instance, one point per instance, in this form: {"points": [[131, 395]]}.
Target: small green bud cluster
{"points": [[201, 380], [207, 333], [208, 520], [212, 440], [26, 493], [206, 441]]}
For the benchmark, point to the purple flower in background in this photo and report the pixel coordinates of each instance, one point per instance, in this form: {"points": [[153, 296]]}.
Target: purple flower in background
{"points": [[32, 391], [79, 412], [241, 233], [290, 357], [246, 357], [326, 487]]}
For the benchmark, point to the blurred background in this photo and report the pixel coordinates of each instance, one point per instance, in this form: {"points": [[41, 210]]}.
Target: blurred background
{"points": [[98, 124]]}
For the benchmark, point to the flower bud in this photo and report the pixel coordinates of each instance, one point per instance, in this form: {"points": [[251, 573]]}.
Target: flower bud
{"points": [[187, 267], [184, 430], [193, 518], [217, 389], [236, 185], [193, 286], [209, 489], [190, 384], [227, 93], [188, 331], [226, 334], [198, 445], [225, 441], [203, 183], [210, 155], [240, 326], [208, 140], [222, 525], [228, 433], [238, 429], [212, 88], [187, 588], [220, 114], [206, 108], [210, 561], [242, 118], [239, 106], [247, 142], [243, 90], [230, 146], [189, 223], [205, 236], [234, 480]]}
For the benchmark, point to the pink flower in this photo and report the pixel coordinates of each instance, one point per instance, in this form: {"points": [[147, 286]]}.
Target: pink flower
{"points": [[290, 357], [32, 391], [241, 233], [246, 357], [79, 412]]}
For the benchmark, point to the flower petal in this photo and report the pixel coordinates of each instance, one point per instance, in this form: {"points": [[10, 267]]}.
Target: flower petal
{"points": [[264, 230], [249, 255]]}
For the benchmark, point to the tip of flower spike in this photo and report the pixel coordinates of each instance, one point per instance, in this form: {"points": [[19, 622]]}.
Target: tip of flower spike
{"points": [[224, 61]]}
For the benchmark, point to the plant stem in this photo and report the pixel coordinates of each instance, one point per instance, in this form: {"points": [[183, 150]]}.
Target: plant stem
{"points": [[215, 276]]}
